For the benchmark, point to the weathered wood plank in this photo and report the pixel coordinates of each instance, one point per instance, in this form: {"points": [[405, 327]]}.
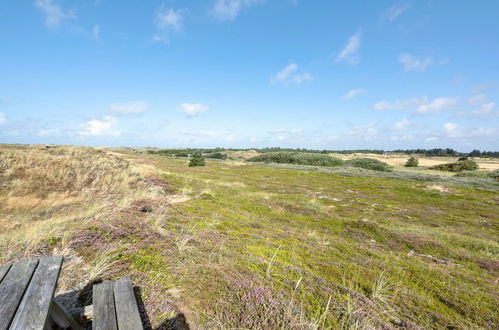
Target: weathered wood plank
{"points": [[127, 311], [3, 270], [12, 289], [104, 317], [35, 306], [62, 319]]}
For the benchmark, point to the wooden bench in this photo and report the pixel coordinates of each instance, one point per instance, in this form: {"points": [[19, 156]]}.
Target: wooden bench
{"points": [[26, 294], [115, 307]]}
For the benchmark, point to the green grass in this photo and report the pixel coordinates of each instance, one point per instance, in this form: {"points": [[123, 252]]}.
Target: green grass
{"points": [[346, 240], [298, 158], [293, 246]]}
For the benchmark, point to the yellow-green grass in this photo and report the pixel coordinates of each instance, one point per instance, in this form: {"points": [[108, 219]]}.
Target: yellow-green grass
{"points": [[235, 245]]}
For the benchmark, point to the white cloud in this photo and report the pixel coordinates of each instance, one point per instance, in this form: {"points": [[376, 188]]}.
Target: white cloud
{"points": [[481, 98], [227, 10], [168, 17], [401, 125], [54, 15], [350, 54], [422, 105], [412, 63], [289, 75], [396, 10], [400, 105], [436, 105], [353, 93], [193, 109], [365, 132], [103, 127], [3, 119], [484, 109], [128, 107], [452, 129], [96, 32]]}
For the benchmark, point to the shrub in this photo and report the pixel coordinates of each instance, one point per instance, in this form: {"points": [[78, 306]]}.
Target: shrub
{"points": [[181, 154], [459, 166], [216, 155], [412, 162], [298, 158], [197, 160], [369, 164], [479, 174]]}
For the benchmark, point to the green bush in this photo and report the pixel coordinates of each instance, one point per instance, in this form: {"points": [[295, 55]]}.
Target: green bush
{"points": [[479, 174], [197, 160], [216, 155], [369, 164], [297, 158], [459, 166], [181, 154], [412, 162]]}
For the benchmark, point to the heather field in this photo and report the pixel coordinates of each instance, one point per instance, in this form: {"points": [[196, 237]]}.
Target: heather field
{"points": [[238, 244]]}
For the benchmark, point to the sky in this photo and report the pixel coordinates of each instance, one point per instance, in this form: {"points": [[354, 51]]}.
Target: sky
{"points": [[251, 73]]}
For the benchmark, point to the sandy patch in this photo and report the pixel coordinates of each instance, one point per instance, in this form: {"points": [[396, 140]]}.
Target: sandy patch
{"points": [[399, 160]]}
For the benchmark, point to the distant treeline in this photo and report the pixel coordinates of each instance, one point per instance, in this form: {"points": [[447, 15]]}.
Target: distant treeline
{"points": [[437, 152], [448, 152]]}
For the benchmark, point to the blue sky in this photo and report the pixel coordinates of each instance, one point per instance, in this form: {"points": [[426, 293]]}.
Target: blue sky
{"points": [[251, 73]]}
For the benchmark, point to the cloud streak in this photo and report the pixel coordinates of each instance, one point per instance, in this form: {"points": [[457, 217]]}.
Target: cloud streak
{"points": [[350, 53], [354, 93], [289, 75], [397, 9], [54, 15], [228, 10], [125, 108], [193, 109]]}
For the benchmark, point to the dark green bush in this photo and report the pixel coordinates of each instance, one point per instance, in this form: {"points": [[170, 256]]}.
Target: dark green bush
{"points": [[297, 158], [412, 162], [181, 154], [197, 160], [369, 164], [459, 166], [216, 155]]}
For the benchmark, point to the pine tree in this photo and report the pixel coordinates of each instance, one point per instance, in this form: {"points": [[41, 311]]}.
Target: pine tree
{"points": [[197, 160], [412, 162]]}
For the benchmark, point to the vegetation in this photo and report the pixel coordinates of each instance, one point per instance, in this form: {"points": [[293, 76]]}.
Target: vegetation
{"points": [[412, 162], [284, 157], [369, 164], [197, 159], [459, 166], [216, 155], [242, 245], [479, 174]]}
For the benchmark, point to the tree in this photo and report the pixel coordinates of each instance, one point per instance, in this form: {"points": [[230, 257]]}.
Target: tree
{"points": [[197, 160], [412, 162]]}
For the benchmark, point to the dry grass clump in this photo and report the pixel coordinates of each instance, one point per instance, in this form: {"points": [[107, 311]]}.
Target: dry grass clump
{"points": [[69, 170]]}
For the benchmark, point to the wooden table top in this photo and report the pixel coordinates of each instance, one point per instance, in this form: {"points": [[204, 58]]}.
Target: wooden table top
{"points": [[26, 291]]}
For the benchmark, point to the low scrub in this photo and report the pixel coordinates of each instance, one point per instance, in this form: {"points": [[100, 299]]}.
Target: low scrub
{"points": [[369, 164], [216, 155], [479, 174], [297, 158], [459, 166]]}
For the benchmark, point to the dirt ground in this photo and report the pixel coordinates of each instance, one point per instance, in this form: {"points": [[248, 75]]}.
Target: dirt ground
{"points": [[489, 164]]}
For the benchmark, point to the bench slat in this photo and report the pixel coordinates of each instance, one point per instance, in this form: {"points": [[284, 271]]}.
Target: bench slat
{"points": [[34, 309], [127, 311], [3, 270], [104, 317], [12, 289]]}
